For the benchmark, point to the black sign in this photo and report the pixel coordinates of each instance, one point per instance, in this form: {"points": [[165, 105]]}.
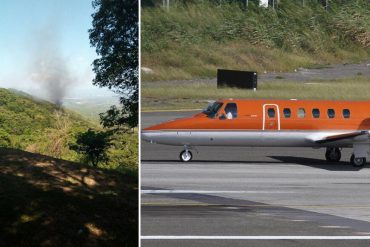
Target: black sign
{"points": [[236, 78]]}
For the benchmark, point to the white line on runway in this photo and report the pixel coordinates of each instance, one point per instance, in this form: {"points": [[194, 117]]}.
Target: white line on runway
{"points": [[335, 227], [212, 192], [255, 237]]}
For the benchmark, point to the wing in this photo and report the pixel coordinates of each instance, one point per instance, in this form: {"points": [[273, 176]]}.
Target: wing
{"points": [[344, 136]]}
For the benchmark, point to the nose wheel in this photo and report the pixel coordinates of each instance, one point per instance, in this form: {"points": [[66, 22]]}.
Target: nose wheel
{"points": [[186, 156], [358, 162], [333, 154]]}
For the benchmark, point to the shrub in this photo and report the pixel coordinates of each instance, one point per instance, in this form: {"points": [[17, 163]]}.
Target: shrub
{"points": [[94, 145]]}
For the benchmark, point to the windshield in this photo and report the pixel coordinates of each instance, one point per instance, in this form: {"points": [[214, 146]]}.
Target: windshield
{"points": [[212, 109]]}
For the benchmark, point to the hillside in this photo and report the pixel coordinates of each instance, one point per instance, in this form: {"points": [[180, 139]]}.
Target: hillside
{"points": [[194, 38], [52, 202], [37, 126]]}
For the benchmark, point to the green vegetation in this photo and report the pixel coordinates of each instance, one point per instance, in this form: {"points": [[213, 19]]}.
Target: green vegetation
{"points": [[115, 35], [37, 126], [94, 145], [192, 40], [52, 202], [195, 95]]}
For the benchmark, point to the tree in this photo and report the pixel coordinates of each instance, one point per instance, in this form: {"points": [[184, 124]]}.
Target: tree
{"points": [[94, 145], [115, 36], [4, 139]]}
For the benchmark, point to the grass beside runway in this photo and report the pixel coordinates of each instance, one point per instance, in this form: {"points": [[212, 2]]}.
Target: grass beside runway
{"points": [[195, 95]]}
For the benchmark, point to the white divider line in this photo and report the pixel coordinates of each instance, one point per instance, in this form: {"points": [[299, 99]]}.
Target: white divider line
{"points": [[255, 237], [212, 192]]}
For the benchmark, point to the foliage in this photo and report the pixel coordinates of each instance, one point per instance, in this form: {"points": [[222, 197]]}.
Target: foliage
{"points": [[94, 145], [4, 139], [194, 39], [115, 36], [123, 155], [38, 126]]}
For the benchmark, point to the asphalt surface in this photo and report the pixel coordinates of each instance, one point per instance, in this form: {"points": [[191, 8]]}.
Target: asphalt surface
{"points": [[248, 192]]}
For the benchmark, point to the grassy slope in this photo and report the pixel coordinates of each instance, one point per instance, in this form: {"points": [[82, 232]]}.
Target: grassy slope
{"points": [[39, 126], [51, 202], [193, 41]]}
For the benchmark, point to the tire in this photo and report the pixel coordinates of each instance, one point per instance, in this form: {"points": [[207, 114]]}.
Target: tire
{"points": [[186, 156], [333, 155], [358, 162]]}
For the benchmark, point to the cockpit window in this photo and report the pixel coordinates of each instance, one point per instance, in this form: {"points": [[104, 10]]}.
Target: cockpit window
{"points": [[231, 111], [212, 109]]}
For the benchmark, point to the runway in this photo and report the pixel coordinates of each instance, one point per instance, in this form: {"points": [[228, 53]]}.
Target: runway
{"points": [[238, 196]]}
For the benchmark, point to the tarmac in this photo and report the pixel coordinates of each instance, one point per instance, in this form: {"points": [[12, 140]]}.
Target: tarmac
{"points": [[250, 196]]}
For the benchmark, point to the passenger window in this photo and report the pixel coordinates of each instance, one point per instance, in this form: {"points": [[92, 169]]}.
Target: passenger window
{"points": [[271, 112], [316, 113], [346, 113], [331, 113], [301, 113], [231, 111], [287, 112]]}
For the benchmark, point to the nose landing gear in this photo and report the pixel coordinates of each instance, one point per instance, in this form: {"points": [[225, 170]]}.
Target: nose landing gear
{"points": [[186, 155]]}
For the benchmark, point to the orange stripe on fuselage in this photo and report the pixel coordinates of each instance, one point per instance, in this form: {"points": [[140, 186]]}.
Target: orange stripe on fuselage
{"points": [[250, 116]]}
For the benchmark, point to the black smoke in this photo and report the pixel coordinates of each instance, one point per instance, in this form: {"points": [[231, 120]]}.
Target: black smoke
{"points": [[49, 68]]}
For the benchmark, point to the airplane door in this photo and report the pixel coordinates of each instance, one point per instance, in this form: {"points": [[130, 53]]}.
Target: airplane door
{"points": [[271, 117]]}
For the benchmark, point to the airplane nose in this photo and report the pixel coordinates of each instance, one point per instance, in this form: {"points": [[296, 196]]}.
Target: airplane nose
{"points": [[149, 136]]}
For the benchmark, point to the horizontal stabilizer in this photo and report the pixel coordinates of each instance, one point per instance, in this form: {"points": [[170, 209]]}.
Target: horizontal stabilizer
{"points": [[334, 138]]}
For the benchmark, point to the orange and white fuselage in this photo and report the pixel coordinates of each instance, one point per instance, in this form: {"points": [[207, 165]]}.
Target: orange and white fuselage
{"points": [[268, 123]]}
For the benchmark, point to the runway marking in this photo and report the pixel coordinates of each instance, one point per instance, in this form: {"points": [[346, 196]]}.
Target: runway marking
{"points": [[213, 192], [335, 227], [250, 205], [363, 233], [164, 237]]}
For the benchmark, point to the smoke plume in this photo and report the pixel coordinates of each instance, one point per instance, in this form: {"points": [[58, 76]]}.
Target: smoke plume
{"points": [[49, 68]]}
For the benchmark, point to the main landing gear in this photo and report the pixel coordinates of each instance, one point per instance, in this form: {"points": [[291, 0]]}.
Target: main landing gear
{"points": [[186, 155], [358, 158], [358, 162], [333, 154]]}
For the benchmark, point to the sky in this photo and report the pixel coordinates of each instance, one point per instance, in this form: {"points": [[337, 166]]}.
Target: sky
{"points": [[35, 32]]}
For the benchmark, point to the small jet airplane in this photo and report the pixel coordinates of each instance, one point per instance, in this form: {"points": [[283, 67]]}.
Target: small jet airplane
{"points": [[272, 123]]}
